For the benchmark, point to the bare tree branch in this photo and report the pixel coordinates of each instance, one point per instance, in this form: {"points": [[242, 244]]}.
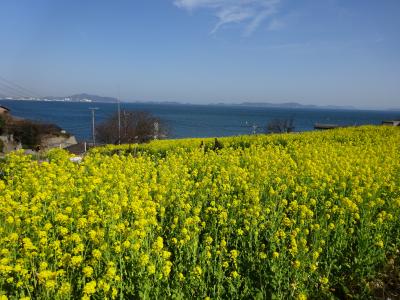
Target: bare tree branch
{"points": [[280, 126], [136, 127]]}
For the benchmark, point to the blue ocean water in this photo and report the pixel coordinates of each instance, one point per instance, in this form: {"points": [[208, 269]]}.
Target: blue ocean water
{"points": [[191, 120]]}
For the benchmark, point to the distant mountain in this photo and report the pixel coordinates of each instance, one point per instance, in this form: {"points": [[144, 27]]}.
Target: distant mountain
{"points": [[292, 105], [82, 98], [94, 98], [73, 98]]}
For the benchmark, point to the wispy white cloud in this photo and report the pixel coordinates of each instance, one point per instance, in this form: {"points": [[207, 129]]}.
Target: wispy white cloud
{"points": [[276, 25], [251, 13]]}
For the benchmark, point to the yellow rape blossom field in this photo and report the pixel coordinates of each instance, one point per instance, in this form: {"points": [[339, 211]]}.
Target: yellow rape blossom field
{"points": [[296, 216]]}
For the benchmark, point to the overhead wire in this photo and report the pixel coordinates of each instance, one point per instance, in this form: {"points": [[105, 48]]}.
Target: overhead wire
{"points": [[17, 86], [10, 91]]}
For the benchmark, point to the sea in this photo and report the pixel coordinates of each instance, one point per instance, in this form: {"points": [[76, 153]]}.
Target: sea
{"points": [[186, 120]]}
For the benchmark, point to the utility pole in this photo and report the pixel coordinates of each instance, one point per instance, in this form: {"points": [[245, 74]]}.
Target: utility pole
{"points": [[119, 117], [93, 109], [156, 130], [254, 128]]}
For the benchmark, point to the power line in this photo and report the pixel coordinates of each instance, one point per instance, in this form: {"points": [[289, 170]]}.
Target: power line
{"points": [[4, 88], [21, 88], [12, 91]]}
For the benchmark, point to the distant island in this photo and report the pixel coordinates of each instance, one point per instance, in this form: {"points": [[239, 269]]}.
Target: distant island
{"points": [[90, 98], [293, 105]]}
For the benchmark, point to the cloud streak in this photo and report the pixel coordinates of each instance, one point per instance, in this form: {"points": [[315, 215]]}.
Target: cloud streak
{"points": [[251, 13]]}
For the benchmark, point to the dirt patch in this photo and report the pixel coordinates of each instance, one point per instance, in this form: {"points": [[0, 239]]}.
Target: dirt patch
{"points": [[387, 284]]}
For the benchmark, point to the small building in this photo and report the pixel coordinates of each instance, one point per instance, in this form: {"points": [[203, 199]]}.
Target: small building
{"points": [[391, 123], [4, 110]]}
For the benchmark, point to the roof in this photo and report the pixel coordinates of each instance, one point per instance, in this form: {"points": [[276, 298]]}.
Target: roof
{"points": [[391, 122], [76, 149], [325, 126]]}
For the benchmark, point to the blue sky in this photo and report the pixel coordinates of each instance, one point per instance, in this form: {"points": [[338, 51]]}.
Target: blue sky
{"points": [[343, 52]]}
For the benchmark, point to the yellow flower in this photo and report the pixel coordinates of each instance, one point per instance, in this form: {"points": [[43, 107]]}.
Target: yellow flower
{"points": [[76, 260], [263, 255], [13, 237], [111, 271], [50, 284], [126, 244], [43, 265], [302, 296], [114, 292], [167, 268], [296, 264], [324, 280], [198, 271], [96, 253], [151, 269], [166, 254], [144, 259], [90, 287], [223, 244], [234, 254], [158, 244], [88, 271], [181, 277], [65, 288], [313, 267], [117, 249]]}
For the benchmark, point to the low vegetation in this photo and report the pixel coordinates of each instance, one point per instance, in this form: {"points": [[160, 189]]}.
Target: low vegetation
{"points": [[293, 216]]}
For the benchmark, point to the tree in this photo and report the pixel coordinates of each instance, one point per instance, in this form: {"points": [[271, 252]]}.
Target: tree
{"points": [[136, 127], [2, 124], [280, 126]]}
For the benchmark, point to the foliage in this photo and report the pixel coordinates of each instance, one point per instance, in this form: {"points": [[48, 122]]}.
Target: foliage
{"points": [[30, 133], [27, 134], [297, 216], [2, 124]]}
